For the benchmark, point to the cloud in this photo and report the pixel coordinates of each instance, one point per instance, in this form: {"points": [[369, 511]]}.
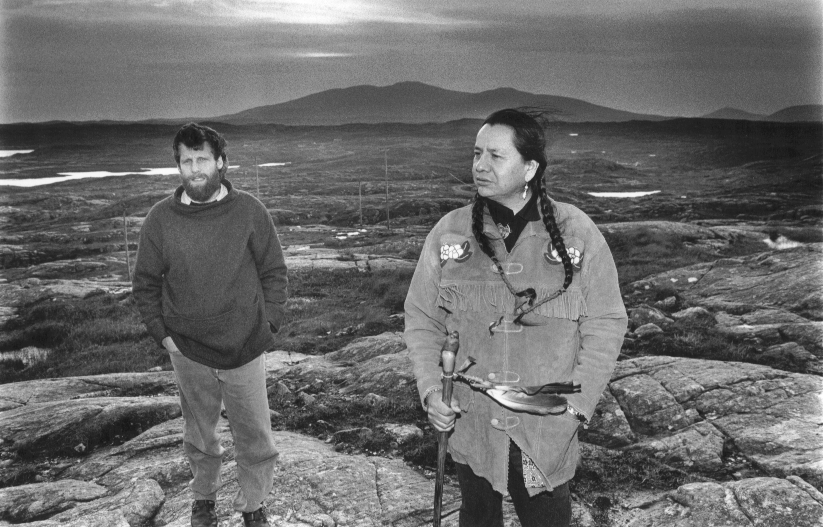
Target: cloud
{"points": [[222, 12], [319, 54], [695, 35]]}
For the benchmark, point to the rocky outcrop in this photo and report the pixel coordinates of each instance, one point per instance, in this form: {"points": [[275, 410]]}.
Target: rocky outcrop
{"points": [[788, 280], [14, 395], [700, 416], [307, 257], [695, 414], [755, 501], [68, 427], [21, 503], [771, 304]]}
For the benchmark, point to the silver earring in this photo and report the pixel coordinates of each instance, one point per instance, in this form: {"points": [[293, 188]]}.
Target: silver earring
{"points": [[525, 190]]}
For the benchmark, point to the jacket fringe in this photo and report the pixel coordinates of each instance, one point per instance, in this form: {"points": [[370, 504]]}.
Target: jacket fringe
{"points": [[498, 299]]}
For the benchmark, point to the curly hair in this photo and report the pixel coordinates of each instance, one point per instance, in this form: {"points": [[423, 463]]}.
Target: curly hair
{"points": [[194, 136]]}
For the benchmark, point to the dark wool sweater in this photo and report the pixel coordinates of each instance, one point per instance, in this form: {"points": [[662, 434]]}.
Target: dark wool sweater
{"points": [[212, 277]]}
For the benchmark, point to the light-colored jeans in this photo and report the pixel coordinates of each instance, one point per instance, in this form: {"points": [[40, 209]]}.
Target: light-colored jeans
{"points": [[243, 392]]}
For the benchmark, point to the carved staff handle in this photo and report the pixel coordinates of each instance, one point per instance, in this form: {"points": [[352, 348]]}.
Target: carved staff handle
{"points": [[447, 357]]}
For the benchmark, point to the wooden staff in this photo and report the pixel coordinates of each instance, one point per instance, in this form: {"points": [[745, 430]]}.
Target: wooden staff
{"points": [[447, 356]]}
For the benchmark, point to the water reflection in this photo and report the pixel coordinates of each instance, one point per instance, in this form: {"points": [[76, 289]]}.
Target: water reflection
{"points": [[69, 176], [622, 194], [9, 153]]}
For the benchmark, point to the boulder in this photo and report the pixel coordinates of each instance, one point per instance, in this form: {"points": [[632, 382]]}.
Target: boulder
{"points": [[693, 314], [809, 335], [790, 351], [647, 331], [402, 433], [667, 303], [351, 435], [644, 314], [771, 316]]}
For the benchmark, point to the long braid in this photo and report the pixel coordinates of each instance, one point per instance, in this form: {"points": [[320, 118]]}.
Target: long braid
{"points": [[477, 226], [554, 232]]}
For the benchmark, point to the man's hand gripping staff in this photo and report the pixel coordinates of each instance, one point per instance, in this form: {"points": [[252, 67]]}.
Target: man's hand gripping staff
{"points": [[443, 418]]}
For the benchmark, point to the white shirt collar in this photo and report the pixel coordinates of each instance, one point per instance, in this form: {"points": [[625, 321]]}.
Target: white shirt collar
{"points": [[217, 196]]}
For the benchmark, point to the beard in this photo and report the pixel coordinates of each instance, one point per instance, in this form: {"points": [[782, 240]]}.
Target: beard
{"points": [[203, 191]]}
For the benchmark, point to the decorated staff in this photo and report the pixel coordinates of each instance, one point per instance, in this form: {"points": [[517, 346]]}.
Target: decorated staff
{"points": [[447, 357]]}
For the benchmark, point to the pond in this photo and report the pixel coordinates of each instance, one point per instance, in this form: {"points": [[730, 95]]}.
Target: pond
{"points": [[70, 176], [623, 194]]}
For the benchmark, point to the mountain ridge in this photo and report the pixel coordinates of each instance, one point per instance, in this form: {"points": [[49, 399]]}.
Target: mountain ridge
{"points": [[417, 102]]}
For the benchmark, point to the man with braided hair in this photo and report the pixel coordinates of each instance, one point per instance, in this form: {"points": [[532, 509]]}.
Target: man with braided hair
{"points": [[530, 285]]}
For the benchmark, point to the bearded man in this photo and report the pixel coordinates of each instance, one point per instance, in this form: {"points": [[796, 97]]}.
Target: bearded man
{"points": [[210, 284]]}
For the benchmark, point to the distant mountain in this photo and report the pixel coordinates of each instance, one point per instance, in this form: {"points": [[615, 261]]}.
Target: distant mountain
{"points": [[416, 102], [734, 114], [806, 112]]}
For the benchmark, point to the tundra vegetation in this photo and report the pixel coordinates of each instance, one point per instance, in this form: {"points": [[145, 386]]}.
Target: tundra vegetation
{"points": [[756, 180]]}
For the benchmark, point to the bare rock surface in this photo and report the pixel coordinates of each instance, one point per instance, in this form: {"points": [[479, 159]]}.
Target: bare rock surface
{"points": [[776, 287], [18, 504], [683, 411], [750, 502], [135, 506], [772, 302], [114, 384], [307, 257], [370, 365], [369, 347], [312, 481], [65, 427], [693, 231]]}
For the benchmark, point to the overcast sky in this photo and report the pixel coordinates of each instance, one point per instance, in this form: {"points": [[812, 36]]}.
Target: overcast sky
{"points": [[139, 59]]}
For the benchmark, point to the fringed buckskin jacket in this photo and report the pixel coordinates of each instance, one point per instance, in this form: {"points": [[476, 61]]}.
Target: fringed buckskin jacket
{"points": [[574, 337]]}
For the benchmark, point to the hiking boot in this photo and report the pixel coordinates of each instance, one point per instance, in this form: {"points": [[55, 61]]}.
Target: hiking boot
{"points": [[203, 514], [256, 518]]}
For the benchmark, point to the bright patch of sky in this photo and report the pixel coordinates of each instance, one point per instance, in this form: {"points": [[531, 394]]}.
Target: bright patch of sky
{"points": [[622, 194]]}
